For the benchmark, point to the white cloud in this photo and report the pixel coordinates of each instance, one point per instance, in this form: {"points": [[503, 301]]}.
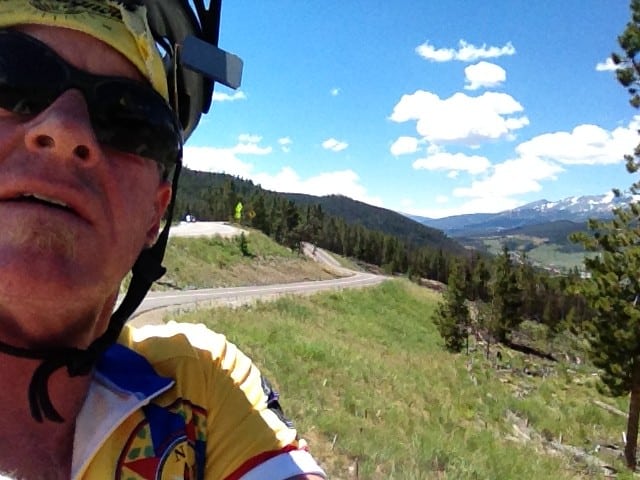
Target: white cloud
{"points": [[484, 75], [249, 138], [466, 52], [285, 144], [541, 159], [513, 177], [225, 160], [584, 145], [251, 149], [334, 92], [343, 182], [404, 145], [212, 159], [248, 145], [606, 66], [461, 118], [428, 51], [334, 145], [472, 164], [225, 97], [442, 199]]}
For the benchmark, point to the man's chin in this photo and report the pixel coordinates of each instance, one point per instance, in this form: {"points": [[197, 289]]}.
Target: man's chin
{"points": [[75, 327], [51, 281], [33, 243]]}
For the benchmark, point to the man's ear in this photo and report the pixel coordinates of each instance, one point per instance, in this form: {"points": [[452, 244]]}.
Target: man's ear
{"points": [[160, 204]]}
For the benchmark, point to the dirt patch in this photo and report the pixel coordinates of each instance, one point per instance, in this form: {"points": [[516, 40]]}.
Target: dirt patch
{"points": [[203, 229], [433, 284]]}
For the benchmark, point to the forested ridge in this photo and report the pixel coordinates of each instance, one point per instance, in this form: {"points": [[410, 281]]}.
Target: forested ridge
{"points": [[199, 190], [369, 234], [376, 218]]}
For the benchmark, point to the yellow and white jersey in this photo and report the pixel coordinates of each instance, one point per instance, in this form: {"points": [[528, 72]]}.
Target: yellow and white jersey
{"points": [[180, 401]]}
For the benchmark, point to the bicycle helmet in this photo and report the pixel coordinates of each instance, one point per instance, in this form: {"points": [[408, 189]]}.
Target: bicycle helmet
{"points": [[200, 62]]}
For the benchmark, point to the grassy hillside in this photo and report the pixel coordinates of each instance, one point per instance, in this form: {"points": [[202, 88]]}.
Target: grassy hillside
{"points": [[208, 262], [365, 376]]}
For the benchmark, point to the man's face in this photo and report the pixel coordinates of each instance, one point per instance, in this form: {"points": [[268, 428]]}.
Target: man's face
{"points": [[74, 214]]}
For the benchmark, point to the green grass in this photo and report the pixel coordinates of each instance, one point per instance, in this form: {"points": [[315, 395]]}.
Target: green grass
{"points": [[364, 374], [346, 262], [545, 254], [221, 252], [207, 262], [551, 255]]}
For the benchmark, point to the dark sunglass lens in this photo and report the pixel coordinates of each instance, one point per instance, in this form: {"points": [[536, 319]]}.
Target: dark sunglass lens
{"points": [[30, 74], [134, 119], [136, 137], [22, 101]]}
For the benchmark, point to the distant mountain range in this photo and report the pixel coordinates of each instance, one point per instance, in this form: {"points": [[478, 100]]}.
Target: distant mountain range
{"points": [[573, 209]]}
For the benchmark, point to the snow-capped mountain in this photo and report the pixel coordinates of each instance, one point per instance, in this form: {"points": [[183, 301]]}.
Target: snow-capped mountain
{"points": [[575, 209], [582, 207]]}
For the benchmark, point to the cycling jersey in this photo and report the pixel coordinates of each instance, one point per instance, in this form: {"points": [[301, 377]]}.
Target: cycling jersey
{"points": [[180, 401]]}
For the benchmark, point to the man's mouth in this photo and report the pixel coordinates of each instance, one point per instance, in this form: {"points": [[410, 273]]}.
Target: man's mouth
{"points": [[42, 200], [57, 196]]}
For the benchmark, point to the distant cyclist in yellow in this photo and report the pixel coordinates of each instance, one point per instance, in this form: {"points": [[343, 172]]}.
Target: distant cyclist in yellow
{"points": [[96, 99]]}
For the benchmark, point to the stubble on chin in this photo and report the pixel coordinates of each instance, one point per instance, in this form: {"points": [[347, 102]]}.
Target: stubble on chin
{"points": [[42, 241]]}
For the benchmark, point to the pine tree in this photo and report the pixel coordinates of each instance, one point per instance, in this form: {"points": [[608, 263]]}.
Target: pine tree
{"points": [[613, 291], [452, 314], [315, 220], [261, 218], [291, 236], [507, 298], [388, 250], [480, 278], [530, 285]]}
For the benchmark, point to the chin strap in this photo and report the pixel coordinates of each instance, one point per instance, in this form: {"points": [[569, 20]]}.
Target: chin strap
{"points": [[146, 270]]}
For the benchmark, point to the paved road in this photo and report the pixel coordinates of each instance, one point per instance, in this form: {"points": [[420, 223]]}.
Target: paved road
{"points": [[155, 301], [240, 295]]}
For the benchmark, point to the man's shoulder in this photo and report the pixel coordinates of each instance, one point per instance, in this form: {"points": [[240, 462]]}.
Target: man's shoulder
{"points": [[174, 341]]}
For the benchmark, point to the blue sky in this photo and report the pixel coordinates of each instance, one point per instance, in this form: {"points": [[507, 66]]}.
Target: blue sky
{"points": [[429, 108]]}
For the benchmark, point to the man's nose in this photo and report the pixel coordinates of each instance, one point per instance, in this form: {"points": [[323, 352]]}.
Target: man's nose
{"points": [[64, 130]]}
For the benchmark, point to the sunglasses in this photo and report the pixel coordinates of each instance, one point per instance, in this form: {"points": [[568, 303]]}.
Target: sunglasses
{"points": [[125, 115]]}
